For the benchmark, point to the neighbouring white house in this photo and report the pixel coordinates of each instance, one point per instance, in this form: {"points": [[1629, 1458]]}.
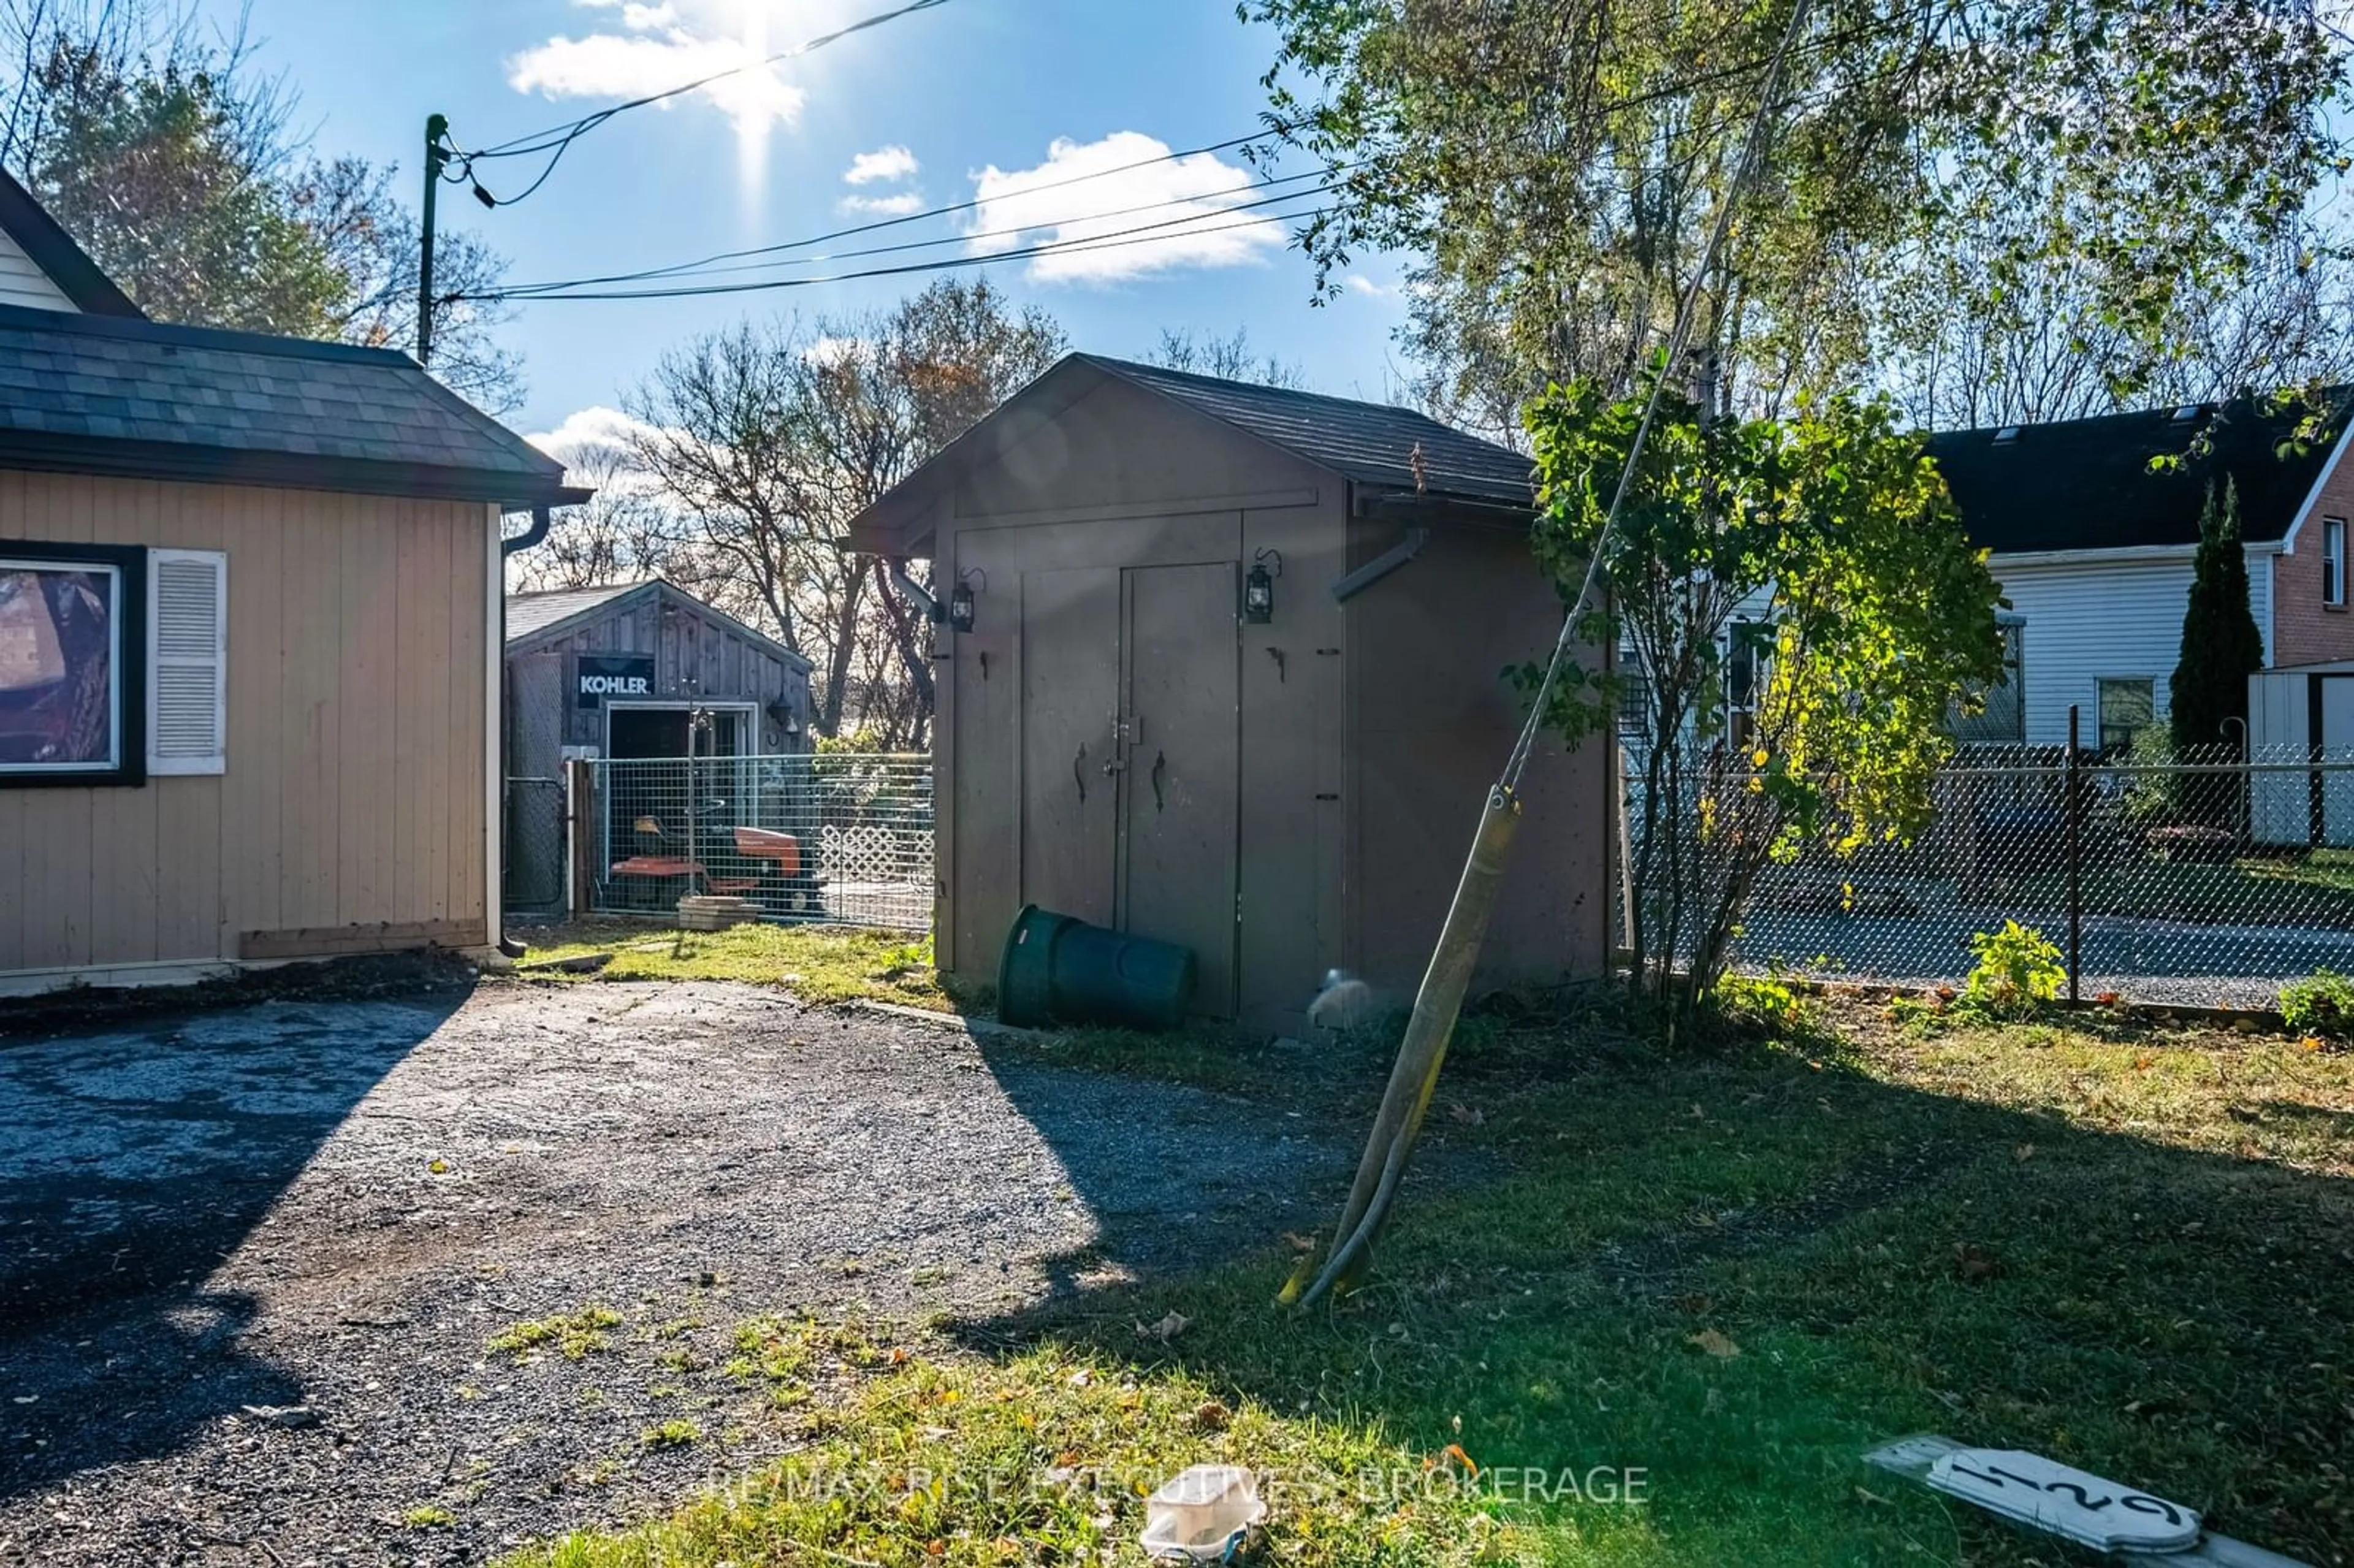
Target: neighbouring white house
{"points": [[2094, 550]]}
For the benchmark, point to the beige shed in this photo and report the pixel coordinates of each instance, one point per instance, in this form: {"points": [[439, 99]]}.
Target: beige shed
{"points": [[1223, 664], [250, 600]]}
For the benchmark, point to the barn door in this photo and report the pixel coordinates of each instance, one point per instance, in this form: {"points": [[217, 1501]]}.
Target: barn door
{"points": [[1070, 688], [1180, 742]]}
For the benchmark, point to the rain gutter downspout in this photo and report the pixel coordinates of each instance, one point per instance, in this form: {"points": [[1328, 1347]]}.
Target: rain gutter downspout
{"points": [[508, 549], [914, 591]]}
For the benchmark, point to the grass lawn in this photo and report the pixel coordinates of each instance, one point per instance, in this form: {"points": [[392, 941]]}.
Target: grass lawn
{"points": [[1707, 1280], [2313, 889], [822, 964]]}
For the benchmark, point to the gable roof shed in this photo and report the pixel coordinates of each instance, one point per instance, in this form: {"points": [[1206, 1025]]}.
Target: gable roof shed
{"points": [[1391, 454]]}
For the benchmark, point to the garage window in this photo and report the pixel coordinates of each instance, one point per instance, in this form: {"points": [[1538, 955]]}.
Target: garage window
{"points": [[72, 664], [113, 663], [2333, 561]]}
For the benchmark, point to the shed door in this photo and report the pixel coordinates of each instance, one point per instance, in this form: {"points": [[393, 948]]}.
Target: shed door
{"points": [[1180, 752], [1070, 691]]}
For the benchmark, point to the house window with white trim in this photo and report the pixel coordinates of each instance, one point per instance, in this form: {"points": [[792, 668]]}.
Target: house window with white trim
{"points": [[2333, 562], [2002, 720], [1749, 666], [2129, 706], [112, 663]]}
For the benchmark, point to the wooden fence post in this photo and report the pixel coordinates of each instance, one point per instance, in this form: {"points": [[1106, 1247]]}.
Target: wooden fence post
{"points": [[580, 797]]}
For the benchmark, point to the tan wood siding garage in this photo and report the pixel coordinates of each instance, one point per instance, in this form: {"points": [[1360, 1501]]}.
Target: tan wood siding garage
{"points": [[351, 809]]}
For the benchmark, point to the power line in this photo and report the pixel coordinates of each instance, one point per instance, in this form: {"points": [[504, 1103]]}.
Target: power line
{"points": [[529, 290], [559, 139], [894, 222], [1117, 240]]}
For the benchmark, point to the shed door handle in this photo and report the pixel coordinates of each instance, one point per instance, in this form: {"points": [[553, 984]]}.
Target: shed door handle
{"points": [[1160, 767], [1079, 772]]}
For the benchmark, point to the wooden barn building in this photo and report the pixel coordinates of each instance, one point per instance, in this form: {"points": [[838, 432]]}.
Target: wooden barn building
{"points": [[622, 673]]}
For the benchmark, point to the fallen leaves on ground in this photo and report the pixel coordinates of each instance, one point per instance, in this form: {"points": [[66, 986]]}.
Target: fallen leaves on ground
{"points": [[1716, 1343], [1166, 1330], [1975, 1263]]}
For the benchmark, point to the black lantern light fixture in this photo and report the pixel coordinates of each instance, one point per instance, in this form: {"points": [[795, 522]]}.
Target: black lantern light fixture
{"points": [[1258, 588], [960, 601]]}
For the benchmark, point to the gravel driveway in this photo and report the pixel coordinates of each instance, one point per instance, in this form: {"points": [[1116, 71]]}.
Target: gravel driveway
{"points": [[322, 1210]]}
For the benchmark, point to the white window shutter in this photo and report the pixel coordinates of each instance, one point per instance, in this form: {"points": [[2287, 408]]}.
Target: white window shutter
{"points": [[187, 661]]}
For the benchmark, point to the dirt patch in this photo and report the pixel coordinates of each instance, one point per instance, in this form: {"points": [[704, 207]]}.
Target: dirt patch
{"points": [[255, 1257], [77, 1010]]}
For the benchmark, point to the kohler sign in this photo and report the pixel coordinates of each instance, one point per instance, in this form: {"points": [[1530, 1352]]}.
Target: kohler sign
{"points": [[607, 675]]}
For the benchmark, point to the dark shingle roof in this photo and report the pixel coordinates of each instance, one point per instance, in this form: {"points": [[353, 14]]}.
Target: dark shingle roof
{"points": [[109, 395], [1371, 443], [528, 614], [535, 616], [2087, 484]]}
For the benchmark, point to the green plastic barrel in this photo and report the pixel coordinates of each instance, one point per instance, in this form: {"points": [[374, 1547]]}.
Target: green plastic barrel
{"points": [[1060, 970]]}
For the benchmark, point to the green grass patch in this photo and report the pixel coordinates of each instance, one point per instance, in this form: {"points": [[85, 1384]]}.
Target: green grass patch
{"points": [[1707, 1280], [427, 1516], [2316, 888], [673, 1434], [825, 965], [575, 1334]]}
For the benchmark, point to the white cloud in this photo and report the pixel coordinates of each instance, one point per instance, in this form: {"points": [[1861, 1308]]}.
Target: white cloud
{"points": [[1193, 197], [1367, 287], [830, 349], [591, 427], [593, 445], [650, 48], [886, 163], [897, 205]]}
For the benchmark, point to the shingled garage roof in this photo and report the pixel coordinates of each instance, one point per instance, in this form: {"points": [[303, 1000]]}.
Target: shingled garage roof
{"points": [[529, 614], [88, 394], [2087, 485], [1371, 443]]}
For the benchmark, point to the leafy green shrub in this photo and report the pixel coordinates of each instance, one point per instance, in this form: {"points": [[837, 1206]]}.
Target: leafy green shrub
{"points": [[1915, 1016], [1768, 1000], [2018, 970], [2321, 1004]]}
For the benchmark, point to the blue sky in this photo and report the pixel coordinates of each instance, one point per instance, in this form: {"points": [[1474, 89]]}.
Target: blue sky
{"points": [[974, 95]]}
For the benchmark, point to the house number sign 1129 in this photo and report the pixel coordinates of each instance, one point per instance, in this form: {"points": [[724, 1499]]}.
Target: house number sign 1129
{"points": [[2050, 1496]]}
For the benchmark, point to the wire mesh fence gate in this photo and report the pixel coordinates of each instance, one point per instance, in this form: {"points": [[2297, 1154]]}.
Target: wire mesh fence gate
{"points": [[843, 837], [2164, 878]]}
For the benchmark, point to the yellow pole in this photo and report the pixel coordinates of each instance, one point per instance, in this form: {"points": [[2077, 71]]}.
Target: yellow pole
{"points": [[1415, 1074]]}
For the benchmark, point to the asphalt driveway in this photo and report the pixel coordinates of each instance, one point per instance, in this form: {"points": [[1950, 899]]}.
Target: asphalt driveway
{"points": [[250, 1260]]}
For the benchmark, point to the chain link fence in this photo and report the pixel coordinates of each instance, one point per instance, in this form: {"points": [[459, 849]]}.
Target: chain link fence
{"points": [[532, 880], [2177, 879], [844, 837]]}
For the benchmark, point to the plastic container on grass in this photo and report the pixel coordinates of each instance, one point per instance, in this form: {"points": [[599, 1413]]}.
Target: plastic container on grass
{"points": [[1056, 968]]}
